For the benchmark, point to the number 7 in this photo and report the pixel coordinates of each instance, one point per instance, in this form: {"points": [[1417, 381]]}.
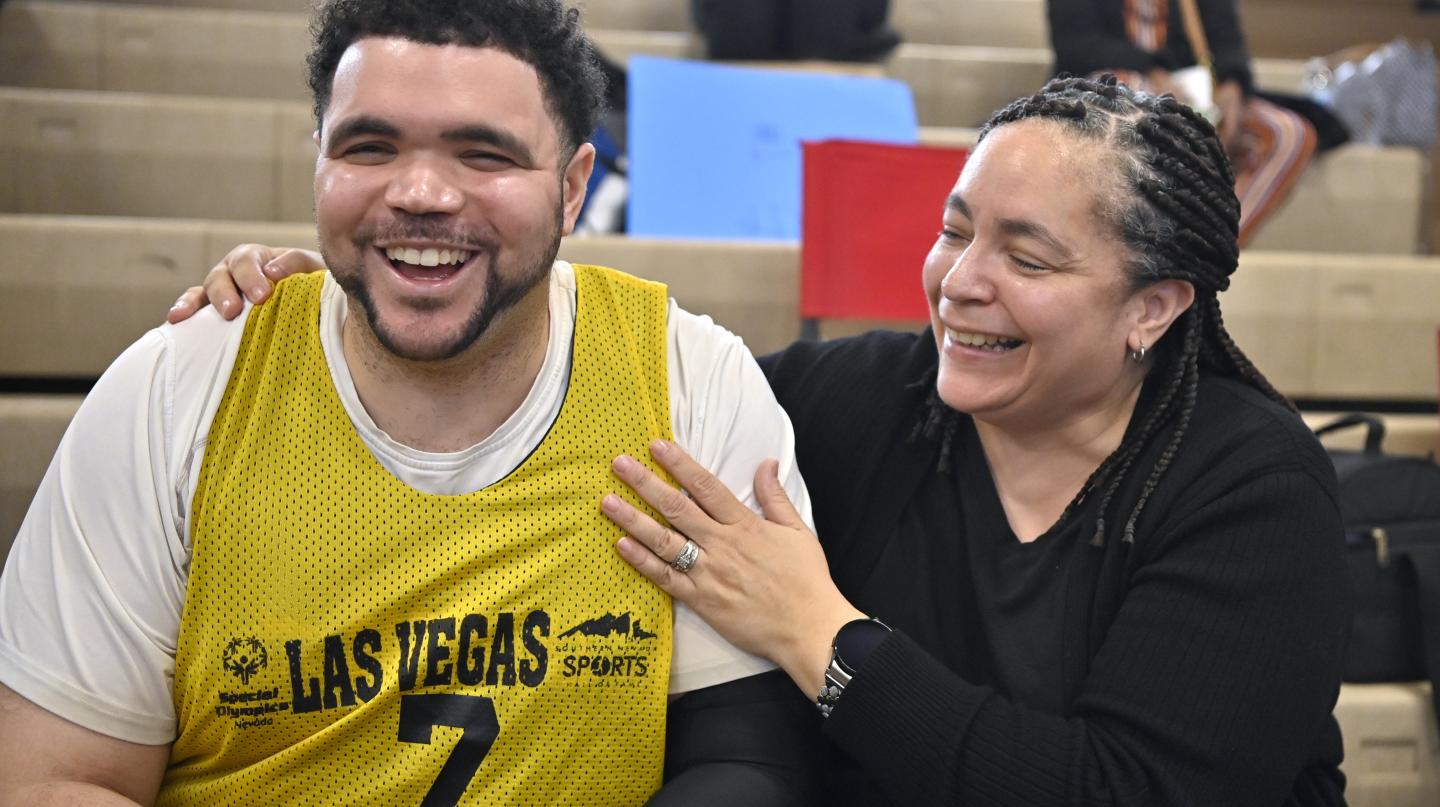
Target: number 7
{"points": [[474, 714]]}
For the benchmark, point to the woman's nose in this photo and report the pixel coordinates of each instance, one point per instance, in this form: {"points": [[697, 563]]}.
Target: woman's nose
{"points": [[968, 278]]}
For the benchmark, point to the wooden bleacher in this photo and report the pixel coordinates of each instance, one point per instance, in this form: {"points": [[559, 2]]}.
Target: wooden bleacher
{"points": [[1322, 326], [109, 153], [1300, 29], [105, 46], [1361, 199], [1354, 199], [176, 45], [197, 51], [123, 153], [1392, 749], [1281, 28]]}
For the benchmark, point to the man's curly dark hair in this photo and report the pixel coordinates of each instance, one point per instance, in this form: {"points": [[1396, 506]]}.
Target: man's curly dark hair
{"points": [[545, 34]]}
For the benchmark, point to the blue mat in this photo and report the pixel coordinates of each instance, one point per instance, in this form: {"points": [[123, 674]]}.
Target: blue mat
{"points": [[715, 149]]}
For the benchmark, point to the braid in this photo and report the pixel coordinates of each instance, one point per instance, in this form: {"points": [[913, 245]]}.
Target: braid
{"points": [[1189, 366], [1179, 218], [1236, 361], [936, 420], [1160, 413]]}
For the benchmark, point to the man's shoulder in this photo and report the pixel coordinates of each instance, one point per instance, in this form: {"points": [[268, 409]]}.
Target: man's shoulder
{"points": [[695, 342], [567, 268], [172, 378], [700, 333], [200, 351]]}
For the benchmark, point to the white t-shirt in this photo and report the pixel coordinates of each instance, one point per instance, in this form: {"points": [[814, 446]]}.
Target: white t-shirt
{"points": [[91, 597]]}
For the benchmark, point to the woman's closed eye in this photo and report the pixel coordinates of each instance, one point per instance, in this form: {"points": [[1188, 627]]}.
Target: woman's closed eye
{"points": [[950, 236], [1027, 265]]}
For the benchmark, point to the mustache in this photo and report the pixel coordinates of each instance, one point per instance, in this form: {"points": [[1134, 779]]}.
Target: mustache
{"points": [[417, 228]]}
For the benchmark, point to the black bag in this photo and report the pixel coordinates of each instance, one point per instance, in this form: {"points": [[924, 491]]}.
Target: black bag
{"points": [[1391, 508], [1330, 131]]}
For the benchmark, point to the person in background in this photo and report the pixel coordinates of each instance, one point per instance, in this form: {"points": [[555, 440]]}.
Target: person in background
{"points": [[345, 548], [795, 30], [1074, 548], [1145, 44]]}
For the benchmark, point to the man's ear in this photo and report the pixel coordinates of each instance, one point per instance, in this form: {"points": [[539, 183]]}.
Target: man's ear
{"points": [[1160, 305], [575, 180]]}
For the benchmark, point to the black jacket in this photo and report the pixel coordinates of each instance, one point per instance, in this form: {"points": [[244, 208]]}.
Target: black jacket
{"points": [[1089, 36], [1202, 661]]}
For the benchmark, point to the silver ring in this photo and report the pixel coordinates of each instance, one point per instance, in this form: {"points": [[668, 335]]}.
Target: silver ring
{"points": [[685, 561]]}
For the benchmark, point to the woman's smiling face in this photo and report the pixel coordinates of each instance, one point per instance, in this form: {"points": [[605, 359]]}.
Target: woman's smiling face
{"points": [[1028, 296]]}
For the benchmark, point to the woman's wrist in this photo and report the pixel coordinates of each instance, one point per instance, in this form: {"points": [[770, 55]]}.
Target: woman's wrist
{"points": [[807, 654]]}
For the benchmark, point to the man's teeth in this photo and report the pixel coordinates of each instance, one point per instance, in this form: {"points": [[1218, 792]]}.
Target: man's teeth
{"points": [[427, 257], [982, 341]]}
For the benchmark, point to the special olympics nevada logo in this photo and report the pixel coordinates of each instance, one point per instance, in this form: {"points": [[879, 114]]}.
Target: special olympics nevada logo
{"points": [[244, 658]]}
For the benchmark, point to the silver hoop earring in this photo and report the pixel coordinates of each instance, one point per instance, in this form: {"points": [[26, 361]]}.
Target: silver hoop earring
{"points": [[1138, 355]]}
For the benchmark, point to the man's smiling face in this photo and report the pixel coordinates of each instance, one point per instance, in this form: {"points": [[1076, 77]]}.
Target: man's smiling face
{"points": [[440, 191]]}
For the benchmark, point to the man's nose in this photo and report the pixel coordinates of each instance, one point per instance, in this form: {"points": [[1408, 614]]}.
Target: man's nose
{"points": [[421, 186]]}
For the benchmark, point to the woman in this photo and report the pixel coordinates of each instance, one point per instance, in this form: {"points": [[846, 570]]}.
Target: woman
{"points": [[1104, 554], [1146, 45]]}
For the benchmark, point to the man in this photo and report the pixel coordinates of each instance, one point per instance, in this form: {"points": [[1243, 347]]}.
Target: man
{"points": [[348, 547]]}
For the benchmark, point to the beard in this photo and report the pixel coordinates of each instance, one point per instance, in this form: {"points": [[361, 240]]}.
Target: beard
{"points": [[504, 286]]}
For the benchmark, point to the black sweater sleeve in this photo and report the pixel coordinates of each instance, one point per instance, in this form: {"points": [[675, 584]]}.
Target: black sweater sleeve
{"points": [[1227, 43], [1084, 44], [1205, 690]]}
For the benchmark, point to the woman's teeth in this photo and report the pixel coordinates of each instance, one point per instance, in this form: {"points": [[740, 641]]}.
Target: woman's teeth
{"points": [[427, 257], [982, 341]]}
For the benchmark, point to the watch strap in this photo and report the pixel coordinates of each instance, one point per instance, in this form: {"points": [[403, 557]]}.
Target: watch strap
{"points": [[841, 671]]}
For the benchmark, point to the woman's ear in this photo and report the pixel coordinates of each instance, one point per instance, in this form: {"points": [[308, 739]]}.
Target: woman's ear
{"points": [[1160, 305]]}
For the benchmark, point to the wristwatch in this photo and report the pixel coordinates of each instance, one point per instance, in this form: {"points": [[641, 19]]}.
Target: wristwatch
{"points": [[853, 644]]}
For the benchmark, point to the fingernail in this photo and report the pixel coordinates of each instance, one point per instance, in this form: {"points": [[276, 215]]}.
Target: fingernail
{"points": [[659, 447], [625, 464], [259, 292], [177, 304], [223, 305], [611, 503]]}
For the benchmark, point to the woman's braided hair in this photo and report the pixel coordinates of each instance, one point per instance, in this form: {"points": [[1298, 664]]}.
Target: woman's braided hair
{"points": [[1180, 220]]}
